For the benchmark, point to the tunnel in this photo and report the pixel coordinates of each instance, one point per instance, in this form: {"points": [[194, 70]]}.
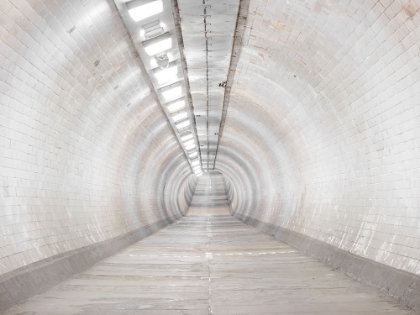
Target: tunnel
{"points": [[209, 157]]}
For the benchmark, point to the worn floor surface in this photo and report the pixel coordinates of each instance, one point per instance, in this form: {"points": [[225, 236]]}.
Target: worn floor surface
{"points": [[210, 263]]}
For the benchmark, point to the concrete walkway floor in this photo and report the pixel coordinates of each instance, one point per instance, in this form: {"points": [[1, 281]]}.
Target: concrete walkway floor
{"points": [[210, 263]]}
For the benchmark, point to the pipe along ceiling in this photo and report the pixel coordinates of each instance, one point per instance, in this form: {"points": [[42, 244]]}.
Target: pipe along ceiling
{"points": [[309, 109]]}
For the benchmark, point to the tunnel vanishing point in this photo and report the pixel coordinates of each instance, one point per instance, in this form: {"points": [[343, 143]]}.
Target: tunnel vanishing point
{"points": [[200, 157]]}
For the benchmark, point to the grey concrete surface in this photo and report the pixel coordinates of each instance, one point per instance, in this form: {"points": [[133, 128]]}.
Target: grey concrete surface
{"points": [[21, 284], [401, 285], [210, 263]]}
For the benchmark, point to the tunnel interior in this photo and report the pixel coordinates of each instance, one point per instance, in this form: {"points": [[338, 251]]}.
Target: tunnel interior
{"points": [[314, 139]]}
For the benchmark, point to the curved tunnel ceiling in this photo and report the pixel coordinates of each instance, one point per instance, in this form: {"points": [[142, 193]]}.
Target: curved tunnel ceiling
{"points": [[319, 132]]}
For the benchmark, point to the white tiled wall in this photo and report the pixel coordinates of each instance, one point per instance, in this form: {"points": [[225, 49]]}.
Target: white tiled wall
{"points": [[82, 138], [323, 125], [321, 136]]}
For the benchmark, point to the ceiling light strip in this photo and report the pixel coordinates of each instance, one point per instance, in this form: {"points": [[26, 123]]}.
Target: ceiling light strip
{"points": [[152, 27]]}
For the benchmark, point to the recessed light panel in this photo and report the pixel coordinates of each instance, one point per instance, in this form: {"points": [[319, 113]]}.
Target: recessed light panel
{"points": [[189, 142], [166, 75], [194, 154], [187, 137], [175, 106], [183, 124], [140, 10], [172, 91], [180, 116], [158, 44]]}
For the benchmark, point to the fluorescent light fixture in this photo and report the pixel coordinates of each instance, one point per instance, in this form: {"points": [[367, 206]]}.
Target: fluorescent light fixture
{"points": [[166, 75], [172, 91], [140, 9], [199, 174], [192, 146], [187, 137], [182, 124], [158, 44], [180, 116], [175, 106], [189, 142], [195, 163], [193, 154]]}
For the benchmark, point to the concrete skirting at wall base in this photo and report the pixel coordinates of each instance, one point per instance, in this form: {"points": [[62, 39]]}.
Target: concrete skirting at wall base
{"points": [[402, 285], [21, 284]]}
